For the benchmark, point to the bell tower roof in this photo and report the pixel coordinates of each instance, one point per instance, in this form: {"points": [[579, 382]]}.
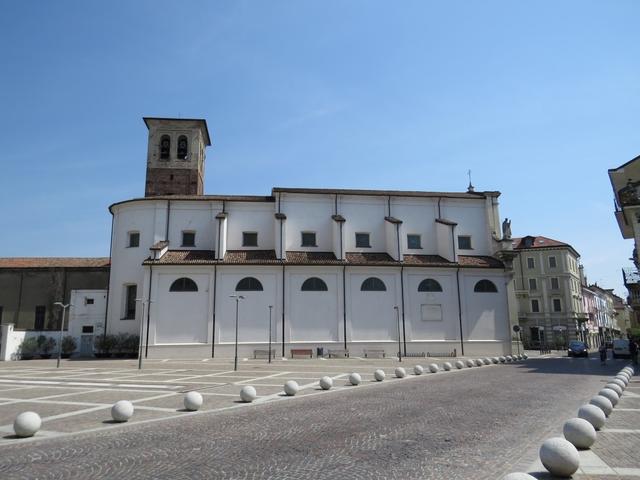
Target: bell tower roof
{"points": [[151, 122]]}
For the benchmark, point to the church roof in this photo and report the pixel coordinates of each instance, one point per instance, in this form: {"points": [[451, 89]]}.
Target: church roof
{"points": [[539, 242], [385, 193], [54, 262]]}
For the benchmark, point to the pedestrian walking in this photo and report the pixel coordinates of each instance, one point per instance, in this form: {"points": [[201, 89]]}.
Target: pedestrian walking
{"points": [[603, 353], [633, 350]]}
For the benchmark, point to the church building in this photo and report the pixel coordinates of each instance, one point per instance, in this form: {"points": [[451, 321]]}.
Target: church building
{"points": [[326, 268]]}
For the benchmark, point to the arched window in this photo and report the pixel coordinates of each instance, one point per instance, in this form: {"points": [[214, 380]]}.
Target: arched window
{"points": [[183, 284], [429, 285], [165, 147], [183, 147], [373, 284], [485, 286], [314, 284], [249, 284]]}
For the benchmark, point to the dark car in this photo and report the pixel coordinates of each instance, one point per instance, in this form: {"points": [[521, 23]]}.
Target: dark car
{"points": [[577, 349]]}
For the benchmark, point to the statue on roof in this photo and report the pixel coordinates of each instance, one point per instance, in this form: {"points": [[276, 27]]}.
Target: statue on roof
{"points": [[506, 229]]}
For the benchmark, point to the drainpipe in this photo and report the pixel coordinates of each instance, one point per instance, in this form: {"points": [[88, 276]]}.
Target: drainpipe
{"points": [[106, 310], [404, 330], [460, 311], [166, 231], [213, 334], [146, 349]]}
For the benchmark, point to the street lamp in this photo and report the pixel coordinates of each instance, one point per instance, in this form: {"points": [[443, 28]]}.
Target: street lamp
{"points": [[64, 309], [143, 302], [235, 360], [398, 323], [270, 308]]}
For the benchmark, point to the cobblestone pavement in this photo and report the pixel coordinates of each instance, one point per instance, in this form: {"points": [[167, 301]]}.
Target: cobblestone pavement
{"points": [[476, 423]]}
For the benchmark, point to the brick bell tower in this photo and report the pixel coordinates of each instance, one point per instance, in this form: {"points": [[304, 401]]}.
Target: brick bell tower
{"points": [[175, 156]]}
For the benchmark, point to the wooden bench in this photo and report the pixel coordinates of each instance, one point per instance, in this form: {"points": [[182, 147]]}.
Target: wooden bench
{"points": [[442, 354], [341, 353], [264, 353], [373, 353], [302, 352]]}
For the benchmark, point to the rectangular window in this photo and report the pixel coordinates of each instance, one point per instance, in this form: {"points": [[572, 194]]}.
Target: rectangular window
{"points": [[87, 329], [0, 315], [309, 239], [88, 301], [249, 239], [464, 242], [134, 239], [535, 306], [41, 311], [531, 264], [533, 284], [188, 239], [130, 305], [552, 262], [555, 283], [362, 240], [413, 241], [557, 306]]}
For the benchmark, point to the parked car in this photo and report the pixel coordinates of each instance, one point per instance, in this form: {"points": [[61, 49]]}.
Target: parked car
{"points": [[621, 348], [577, 349]]}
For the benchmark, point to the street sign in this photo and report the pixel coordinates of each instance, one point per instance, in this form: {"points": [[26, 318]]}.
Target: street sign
{"points": [[516, 328]]}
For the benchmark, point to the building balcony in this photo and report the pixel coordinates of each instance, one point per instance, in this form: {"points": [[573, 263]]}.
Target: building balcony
{"points": [[631, 279]]}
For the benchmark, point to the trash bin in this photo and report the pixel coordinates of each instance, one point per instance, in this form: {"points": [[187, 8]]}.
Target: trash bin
{"points": [[319, 352]]}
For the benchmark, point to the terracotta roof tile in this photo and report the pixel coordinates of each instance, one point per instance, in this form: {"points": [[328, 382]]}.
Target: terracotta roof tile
{"points": [[427, 261], [185, 257], [54, 262], [312, 258], [539, 241], [479, 261], [355, 258], [250, 256]]}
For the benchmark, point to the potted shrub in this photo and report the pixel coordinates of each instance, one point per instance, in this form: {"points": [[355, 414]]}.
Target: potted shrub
{"points": [[104, 344], [131, 345], [46, 347], [28, 348], [69, 346]]}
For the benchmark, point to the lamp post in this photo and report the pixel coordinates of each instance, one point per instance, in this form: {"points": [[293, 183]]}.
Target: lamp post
{"points": [[235, 359], [143, 302], [270, 308], [64, 310], [398, 323]]}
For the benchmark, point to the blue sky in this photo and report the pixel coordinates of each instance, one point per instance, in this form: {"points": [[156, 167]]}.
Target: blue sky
{"points": [[538, 99]]}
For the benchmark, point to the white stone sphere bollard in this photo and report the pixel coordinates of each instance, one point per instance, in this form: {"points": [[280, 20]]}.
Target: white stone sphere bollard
{"points": [[615, 387], [487, 361], [379, 375], [248, 394], [459, 364], [623, 379], [613, 397], [593, 415], [560, 457], [495, 360], [418, 370], [355, 379], [502, 359], [27, 424], [626, 374], [619, 382], [603, 403], [471, 363], [518, 476], [291, 388], [192, 401], [509, 358], [447, 366], [479, 362], [630, 369], [525, 356], [433, 368], [400, 372], [122, 411], [326, 383], [579, 432]]}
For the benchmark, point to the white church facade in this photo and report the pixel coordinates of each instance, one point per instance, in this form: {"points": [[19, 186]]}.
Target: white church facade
{"points": [[318, 268]]}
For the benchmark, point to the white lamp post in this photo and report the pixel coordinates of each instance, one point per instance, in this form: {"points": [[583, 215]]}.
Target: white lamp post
{"points": [[64, 310], [398, 323], [235, 360]]}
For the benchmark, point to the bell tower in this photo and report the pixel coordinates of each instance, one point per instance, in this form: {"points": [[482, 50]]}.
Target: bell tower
{"points": [[175, 156]]}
